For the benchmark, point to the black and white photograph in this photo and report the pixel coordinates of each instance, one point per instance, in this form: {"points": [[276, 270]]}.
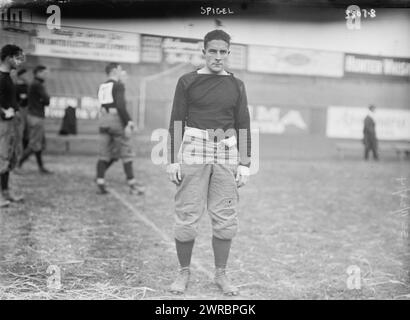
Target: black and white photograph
{"points": [[222, 151]]}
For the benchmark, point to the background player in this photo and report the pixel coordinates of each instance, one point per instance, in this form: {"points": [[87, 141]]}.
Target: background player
{"points": [[11, 57], [116, 128], [38, 99], [115, 154], [22, 100]]}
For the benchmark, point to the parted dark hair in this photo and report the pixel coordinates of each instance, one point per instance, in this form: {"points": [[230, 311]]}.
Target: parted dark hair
{"points": [[10, 50], [217, 35], [39, 69], [110, 66]]}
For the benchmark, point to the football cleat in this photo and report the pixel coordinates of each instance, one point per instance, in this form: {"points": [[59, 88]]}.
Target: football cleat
{"points": [[101, 189], [12, 197], [181, 282], [45, 171], [224, 283], [3, 202], [136, 188]]}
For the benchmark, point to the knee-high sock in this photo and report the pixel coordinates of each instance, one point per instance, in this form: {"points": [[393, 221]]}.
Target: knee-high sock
{"points": [[101, 168], [4, 177], [129, 172], [39, 159], [110, 163], [26, 154], [25, 143], [184, 252], [221, 251]]}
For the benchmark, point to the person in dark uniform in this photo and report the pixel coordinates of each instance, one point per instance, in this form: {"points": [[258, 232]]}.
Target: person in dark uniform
{"points": [[209, 168], [116, 128], [11, 57], [369, 135], [115, 154], [22, 100], [38, 99]]}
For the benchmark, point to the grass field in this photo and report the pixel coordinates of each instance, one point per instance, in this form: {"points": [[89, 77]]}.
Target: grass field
{"points": [[302, 224]]}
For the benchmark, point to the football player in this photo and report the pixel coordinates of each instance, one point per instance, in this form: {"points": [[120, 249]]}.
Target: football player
{"points": [[116, 129], [208, 168], [11, 57]]}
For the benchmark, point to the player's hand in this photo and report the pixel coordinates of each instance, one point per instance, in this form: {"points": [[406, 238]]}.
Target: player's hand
{"points": [[8, 113], [174, 173], [242, 176], [129, 129]]}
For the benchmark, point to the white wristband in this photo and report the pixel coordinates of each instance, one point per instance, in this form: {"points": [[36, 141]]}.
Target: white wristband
{"points": [[244, 170]]}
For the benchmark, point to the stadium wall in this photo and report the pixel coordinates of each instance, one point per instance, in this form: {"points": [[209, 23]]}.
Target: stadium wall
{"points": [[271, 97], [290, 108]]}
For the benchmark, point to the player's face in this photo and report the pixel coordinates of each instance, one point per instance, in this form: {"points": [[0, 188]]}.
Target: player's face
{"points": [[123, 76], [216, 53], [15, 61], [42, 74], [23, 77], [118, 71]]}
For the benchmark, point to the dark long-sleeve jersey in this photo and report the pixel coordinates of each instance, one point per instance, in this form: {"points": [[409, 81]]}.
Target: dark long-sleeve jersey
{"points": [[111, 94], [209, 101], [22, 94], [7, 93], [38, 98]]}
